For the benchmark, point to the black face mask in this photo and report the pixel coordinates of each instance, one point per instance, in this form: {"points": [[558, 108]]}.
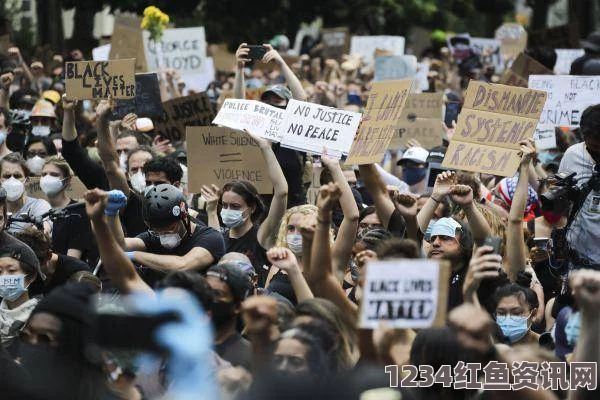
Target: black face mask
{"points": [[222, 312]]}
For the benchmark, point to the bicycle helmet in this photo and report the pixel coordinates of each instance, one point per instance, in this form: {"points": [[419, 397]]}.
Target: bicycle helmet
{"points": [[163, 205]]}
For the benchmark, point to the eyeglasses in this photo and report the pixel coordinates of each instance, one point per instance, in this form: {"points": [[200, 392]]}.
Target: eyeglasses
{"points": [[513, 318]]}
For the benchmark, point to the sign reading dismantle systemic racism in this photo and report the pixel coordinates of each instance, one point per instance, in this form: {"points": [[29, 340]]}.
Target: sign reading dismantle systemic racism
{"points": [[88, 80], [421, 120], [405, 294], [251, 115], [384, 107], [493, 120], [224, 155], [311, 127], [192, 110]]}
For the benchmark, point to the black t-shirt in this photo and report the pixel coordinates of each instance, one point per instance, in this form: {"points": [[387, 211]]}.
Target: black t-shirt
{"points": [[236, 350], [292, 165], [396, 224], [65, 268], [455, 291], [248, 244], [203, 236], [133, 218], [75, 233]]}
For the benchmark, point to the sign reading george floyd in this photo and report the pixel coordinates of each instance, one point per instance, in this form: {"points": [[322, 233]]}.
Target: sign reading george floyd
{"points": [[310, 127], [384, 107], [225, 155], [405, 294], [88, 80], [493, 120], [147, 98], [254, 116], [192, 110]]}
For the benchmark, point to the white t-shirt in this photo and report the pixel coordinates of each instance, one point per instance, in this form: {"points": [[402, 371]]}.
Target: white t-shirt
{"points": [[584, 233]]}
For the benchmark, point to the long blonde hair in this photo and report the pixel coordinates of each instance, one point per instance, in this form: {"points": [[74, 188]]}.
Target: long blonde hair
{"points": [[304, 209]]}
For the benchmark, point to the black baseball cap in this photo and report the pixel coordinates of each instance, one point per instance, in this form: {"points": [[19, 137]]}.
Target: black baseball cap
{"points": [[237, 280]]}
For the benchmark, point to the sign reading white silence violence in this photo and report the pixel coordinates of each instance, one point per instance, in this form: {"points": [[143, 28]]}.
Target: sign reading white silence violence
{"points": [[493, 120], [225, 155], [311, 127], [254, 116], [88, 80], [405, 294], [384, 107]]}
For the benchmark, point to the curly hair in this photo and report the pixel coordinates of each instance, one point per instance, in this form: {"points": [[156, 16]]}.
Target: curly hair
{"points": [[304, 209]]}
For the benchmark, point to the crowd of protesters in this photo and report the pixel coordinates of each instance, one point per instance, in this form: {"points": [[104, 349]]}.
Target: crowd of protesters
{"points": [[240, 295]]}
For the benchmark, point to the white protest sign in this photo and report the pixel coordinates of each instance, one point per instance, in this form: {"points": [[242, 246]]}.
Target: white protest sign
{"points": [[489, 49], [564, 58], [183, 49], [366, 46], [421, 76], [404, 293], [545, 139], [101, 53], [12, 281], [390, 68], [254, 116], [311, 127]]}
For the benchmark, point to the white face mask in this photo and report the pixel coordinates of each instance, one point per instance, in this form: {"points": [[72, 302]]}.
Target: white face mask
{"points": [[51, 185], [138, 181], [170, 240], [123, 162], [232, 218], [294, 241], [14, 188], [35, 164], [40, 130]]}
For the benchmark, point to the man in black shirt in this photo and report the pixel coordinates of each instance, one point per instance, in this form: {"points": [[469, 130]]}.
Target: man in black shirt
{"points": [[56, 268]]}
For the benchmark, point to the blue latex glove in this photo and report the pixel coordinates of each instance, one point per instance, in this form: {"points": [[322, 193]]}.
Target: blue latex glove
{"points": [[116, 201], [189, 342]]}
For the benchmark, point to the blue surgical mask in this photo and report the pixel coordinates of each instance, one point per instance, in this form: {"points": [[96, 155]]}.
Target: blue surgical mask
{"points": [[12, 286], [2, 136], [232, 218], [294, 242], [514, 327], [413, 176], [572, 328], [547, 157]]}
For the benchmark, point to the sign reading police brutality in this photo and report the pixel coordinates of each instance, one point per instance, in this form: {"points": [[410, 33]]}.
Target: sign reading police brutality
{"points": [[192, 110], [87, 80], [384, 107], [254, 116], [405, 294], [421, 120], [311, 127], [493, 120], [225, 155]]}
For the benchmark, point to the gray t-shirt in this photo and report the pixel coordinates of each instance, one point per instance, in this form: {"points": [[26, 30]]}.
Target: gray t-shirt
{"points": [[32, 207], [584, 234]]}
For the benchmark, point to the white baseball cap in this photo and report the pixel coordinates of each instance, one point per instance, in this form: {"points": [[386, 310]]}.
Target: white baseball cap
{"points": [[415, 154]]}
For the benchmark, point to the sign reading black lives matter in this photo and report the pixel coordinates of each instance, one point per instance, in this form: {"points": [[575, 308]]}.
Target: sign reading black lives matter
{"points": [[90, 80], [147, 101], [405, 294], [192, 110]]}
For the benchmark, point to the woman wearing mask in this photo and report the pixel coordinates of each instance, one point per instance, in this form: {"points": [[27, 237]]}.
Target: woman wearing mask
{"points": [[516, 307], [241, 209], [36, 150], [70, 236], [14, 173], [43, 118]]}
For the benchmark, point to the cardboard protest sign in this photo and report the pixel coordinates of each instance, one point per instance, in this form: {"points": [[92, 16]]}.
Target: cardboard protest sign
{"points": [[223, 59], [389, 68], [513, 38], [564, 59], [75, 190], [405, 294], [521, 68], [192, 110], [384, 107], [310, 127], [421, 119], [335, 42], [366, 46], [559, 37], [147, 101], [493, 120], [101, 53], [221, 155], [251, 115], [86, 80], [127, 42]]}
